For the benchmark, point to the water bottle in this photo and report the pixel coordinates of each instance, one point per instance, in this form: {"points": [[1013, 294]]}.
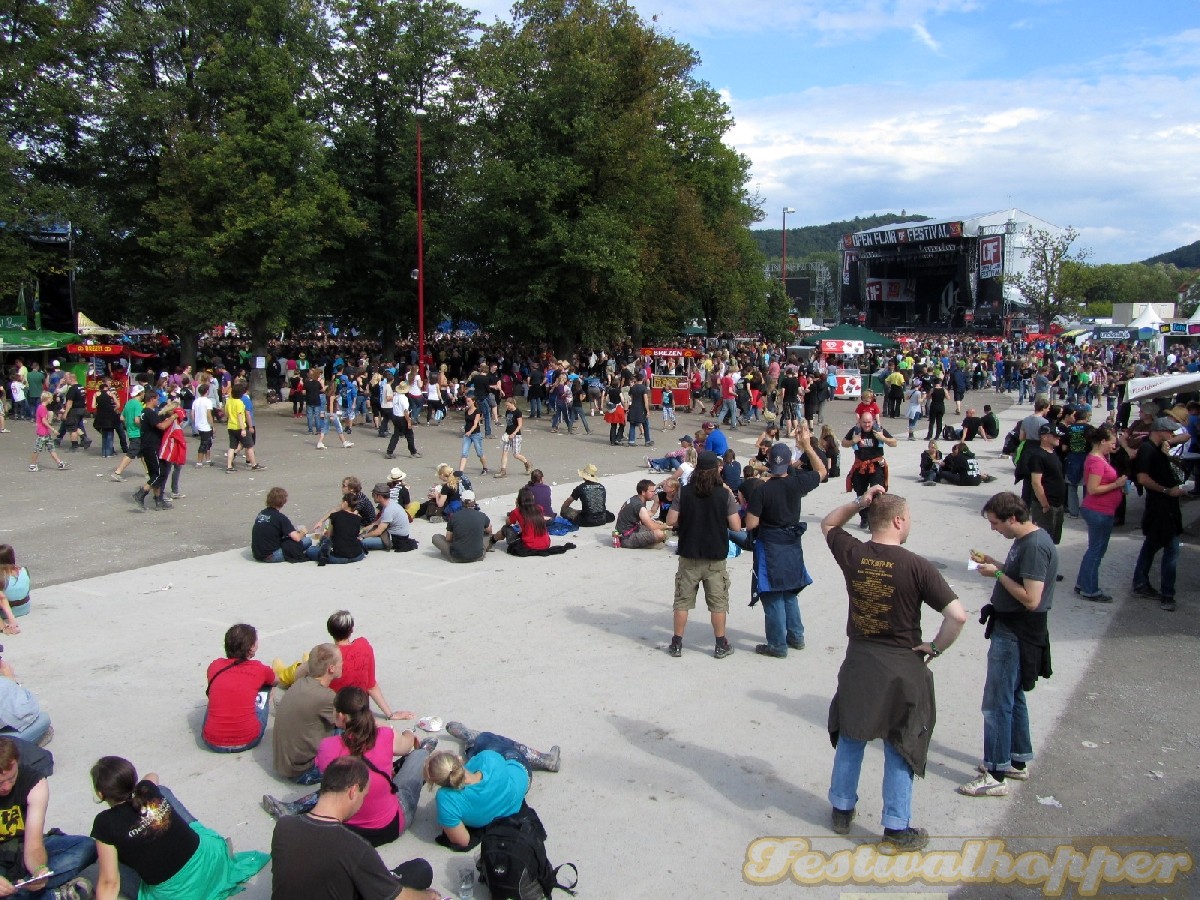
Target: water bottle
{"points": [[466, 885], [617, 539]]}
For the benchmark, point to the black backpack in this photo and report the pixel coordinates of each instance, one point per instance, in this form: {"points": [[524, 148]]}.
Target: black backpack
{"points": [[513, 863]]}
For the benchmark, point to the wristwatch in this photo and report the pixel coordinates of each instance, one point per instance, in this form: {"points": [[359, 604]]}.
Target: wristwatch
{"points": [[858, 501]]}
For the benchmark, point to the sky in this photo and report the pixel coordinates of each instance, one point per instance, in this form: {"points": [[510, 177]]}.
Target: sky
{"points": [[1085, 113]]}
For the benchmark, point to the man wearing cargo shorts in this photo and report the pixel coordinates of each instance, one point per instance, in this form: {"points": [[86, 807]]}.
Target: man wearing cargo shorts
{"points": [[703, 515]]}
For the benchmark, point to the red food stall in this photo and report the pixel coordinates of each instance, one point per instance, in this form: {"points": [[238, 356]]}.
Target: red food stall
{"points": [[671, 370]]}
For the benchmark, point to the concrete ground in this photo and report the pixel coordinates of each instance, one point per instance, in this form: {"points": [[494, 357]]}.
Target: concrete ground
{"points": [[673, 769]]}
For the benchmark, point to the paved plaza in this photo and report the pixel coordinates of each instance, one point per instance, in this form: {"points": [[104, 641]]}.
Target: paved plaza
{"points": [[671, 768]]}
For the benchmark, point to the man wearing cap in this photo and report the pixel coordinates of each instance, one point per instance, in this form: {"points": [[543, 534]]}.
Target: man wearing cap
{"points": [[1162, 520], [773, 514], [1045, 488], [673, 459], [131, 415], [715, 439], [592, 499], [466, 537], [401, 422], [703, 516], [391, 529], [635, 528]]}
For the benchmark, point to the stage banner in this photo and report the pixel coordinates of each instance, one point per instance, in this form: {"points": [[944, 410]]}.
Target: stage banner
{"points": [[991, 256], [849, 258], [891, 290]]}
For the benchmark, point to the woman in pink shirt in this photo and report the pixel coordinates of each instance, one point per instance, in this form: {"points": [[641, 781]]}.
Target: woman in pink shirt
{"points": [[1103, 491]]}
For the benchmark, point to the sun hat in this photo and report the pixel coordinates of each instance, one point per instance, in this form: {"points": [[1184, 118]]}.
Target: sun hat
{"points": [[589, 473], [397, 474]]}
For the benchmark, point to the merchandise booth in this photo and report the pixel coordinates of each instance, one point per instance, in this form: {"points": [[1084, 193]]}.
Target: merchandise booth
{"points": [[671, 370]]}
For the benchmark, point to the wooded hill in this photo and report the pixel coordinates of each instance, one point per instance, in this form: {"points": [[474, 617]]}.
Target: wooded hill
{"points": [[822, 238]]}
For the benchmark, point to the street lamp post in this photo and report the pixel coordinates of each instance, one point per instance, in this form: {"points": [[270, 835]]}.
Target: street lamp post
{"points": [[420, 254], [786, 210]]}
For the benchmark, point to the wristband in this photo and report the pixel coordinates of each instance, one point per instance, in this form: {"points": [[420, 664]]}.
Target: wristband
{"points": [[933, 650], [999, 574]]}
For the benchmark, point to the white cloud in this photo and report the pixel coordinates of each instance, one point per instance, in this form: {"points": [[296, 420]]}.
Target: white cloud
{"points": [[1116, 153], [921, 33]]}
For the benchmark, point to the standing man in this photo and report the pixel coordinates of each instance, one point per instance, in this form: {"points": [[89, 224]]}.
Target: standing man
{"points": [[315, 855], [401, 422], [512, 439], [74, 406], [789, 385], [202, 423], [131, 415], [635, 528], [242, 390], [1017, 627], [236, 424], [1045, 490], [868, 438], [1162, 520], [779, 572], [154, 422], [895, 393], [639, 409], [728, 387], [314, 397], [703, 515], [885, 688]]}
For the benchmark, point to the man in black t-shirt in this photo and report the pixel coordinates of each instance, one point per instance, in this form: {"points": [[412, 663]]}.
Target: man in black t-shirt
{"points": [[593, 500], [25, 849], [972, 426], [868, 438], [74, 407], [315, 855], [1162, 521], [273, 537], [1045, 488], [789, 385]]}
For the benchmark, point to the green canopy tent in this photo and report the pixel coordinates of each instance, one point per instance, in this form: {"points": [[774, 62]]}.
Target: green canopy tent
{"points": [[15, 340], [851, 333]]}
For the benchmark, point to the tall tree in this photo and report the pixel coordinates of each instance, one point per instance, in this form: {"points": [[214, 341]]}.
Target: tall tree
{"points": [[1041, 285]]}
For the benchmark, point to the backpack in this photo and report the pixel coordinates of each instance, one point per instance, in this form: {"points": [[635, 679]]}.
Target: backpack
{"points": [[512, 861]]}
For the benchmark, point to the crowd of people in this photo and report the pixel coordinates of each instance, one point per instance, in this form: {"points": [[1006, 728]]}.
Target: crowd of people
{"points": [[709, 507]]}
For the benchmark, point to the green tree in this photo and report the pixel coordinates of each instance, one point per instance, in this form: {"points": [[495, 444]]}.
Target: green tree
{"points": [[1041, 285]]}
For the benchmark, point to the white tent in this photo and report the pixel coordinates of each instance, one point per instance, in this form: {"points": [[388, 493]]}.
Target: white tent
{"points": [[1162, 385], [1147, 318], [1195, 319]]}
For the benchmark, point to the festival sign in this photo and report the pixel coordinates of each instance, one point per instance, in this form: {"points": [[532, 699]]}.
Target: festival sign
{"points": [[991, 256], [849, 258], [891, 290], [939, 231]]}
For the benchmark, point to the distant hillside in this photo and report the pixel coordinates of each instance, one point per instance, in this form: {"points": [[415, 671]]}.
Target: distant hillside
{"points": [[1184, 257], [822, 238]]}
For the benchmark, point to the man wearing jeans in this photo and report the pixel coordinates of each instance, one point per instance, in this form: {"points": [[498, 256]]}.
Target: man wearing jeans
{"points": [[885, 688], [1019, 652], [1162, 521]]}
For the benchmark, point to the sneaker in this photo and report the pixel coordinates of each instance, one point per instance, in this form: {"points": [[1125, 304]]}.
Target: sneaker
{"points": [[258, 467], [840, 820], [1098, 597], [32, 467], [1014, 774], [115, 477], [1167, 604], [723, 649], [389, 456], [429, 744], [139, 496], [765, 650], [62, 467], [199, 465], [414, 455], [47, 737], [276, 809], [908, 840], [675, 648], [179, 496], [984, 786], [75, 889], [1146, 590], [345, 446]]}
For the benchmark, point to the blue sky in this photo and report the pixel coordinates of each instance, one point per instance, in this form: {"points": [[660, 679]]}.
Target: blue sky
{"points": [[1082, 113]]}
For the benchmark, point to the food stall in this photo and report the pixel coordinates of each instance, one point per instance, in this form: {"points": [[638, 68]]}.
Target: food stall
{"points": [[842, 360], [671, 370]]}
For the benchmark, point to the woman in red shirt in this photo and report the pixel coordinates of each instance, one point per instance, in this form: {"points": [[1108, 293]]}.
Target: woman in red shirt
{"points": [[239, 688], [525, 529]]}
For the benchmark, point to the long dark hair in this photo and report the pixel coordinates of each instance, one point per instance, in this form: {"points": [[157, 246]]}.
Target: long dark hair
{"points": [[705, 481], [531, 513], [360, 731], [115, 779]]}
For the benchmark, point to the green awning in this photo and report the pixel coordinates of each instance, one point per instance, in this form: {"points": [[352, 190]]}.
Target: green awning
{"points": [[12, 340]]}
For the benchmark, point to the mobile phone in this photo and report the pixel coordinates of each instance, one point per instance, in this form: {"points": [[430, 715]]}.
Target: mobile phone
{"points": [[31, 880]]}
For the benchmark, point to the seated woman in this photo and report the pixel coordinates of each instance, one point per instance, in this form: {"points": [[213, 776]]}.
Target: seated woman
{"points": [[147, 835], [490, 785], [14, 589], [665, 496], [339, 542], [239, 691], [961, 467], [768, 439], [358, 665], [931, 462], [674, 459], [445, 498], [525, 528], [392, 794]]}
